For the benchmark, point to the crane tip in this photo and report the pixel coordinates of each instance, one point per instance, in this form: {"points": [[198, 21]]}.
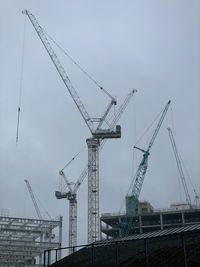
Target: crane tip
{"points": [[24, 11]]}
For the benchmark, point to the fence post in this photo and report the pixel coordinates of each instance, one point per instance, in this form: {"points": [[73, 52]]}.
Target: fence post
{"points": [[56, 254], [73, 249], [146, 253], [92, 255], [184, 249], [44, 259], [48, 257], [116, 256]]}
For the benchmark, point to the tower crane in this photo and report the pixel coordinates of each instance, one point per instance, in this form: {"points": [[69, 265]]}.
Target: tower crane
{"points": [[93, 143], [180, 169], [33, 199], [132, 197], [71, 195]]}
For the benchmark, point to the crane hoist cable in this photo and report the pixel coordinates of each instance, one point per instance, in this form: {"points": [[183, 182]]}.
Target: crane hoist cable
{"points": [[21, 81], [78, 65], [173, 131], [145, 132], [180, 157], [179, 166], [67, 164], [149, 127], [141, 171], [97, 132], [76, 155], [189, 176], [132, 198], [136, 143]]}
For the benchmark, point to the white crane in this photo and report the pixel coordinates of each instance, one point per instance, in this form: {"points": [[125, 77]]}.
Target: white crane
{"points": [[179, 165], [33, 199], [71, 195], [93, 142]]}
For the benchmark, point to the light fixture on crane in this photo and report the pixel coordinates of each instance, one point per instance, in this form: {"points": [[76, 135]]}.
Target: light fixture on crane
{"points": [[93, 143]]}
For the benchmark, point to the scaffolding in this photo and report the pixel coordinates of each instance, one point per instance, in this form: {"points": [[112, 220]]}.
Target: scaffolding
{"points": [[23, 241]]}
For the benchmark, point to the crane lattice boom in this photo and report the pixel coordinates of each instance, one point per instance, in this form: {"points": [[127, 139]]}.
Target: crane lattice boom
{"points": [[132, 197], [65, 77], [179, 165], [33, 199]]}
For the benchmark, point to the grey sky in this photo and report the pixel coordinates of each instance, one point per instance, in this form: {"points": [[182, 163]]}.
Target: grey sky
{"points": [[149, 45]]}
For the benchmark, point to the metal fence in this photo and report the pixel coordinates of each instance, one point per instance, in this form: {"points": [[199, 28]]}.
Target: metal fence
{"points": [[178, 250]]}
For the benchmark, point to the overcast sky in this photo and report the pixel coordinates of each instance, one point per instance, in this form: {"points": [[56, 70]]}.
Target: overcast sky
{"points": [[149, 45]]}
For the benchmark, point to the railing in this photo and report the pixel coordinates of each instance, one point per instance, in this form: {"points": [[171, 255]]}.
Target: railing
{"points": [[182, 248]]}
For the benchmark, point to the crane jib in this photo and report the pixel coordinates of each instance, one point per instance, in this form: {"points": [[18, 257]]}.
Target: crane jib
{"points": [[65, 77], [132, 198]]}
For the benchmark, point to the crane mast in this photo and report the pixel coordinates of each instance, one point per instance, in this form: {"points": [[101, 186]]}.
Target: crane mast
{"points": [[103, 141], [71, 195], [179, 165], [132, 197], [33, 199]]}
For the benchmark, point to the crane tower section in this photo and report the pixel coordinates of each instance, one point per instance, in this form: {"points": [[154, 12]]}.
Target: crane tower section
{"points": [[72, 197]]}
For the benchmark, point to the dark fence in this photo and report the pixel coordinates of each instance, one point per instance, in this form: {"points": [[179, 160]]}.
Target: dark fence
{"points": [[176, 250]]}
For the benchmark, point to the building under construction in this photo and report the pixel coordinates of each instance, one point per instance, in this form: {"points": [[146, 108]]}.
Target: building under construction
{"points": [[147, 220], [23, 241], [26, 242]]}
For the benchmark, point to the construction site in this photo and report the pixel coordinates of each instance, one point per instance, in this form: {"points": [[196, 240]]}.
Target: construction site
{"points": [[98, 213]]}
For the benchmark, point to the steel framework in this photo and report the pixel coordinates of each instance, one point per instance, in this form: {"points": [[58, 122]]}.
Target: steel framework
{"points": [[93, 189], [22, 240]]}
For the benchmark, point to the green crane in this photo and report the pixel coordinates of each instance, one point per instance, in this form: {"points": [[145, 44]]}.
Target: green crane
{"points": [[132, 197]]}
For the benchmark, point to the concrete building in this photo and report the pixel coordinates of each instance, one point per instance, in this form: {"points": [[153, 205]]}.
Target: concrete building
{"points": [[147, 220]]}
